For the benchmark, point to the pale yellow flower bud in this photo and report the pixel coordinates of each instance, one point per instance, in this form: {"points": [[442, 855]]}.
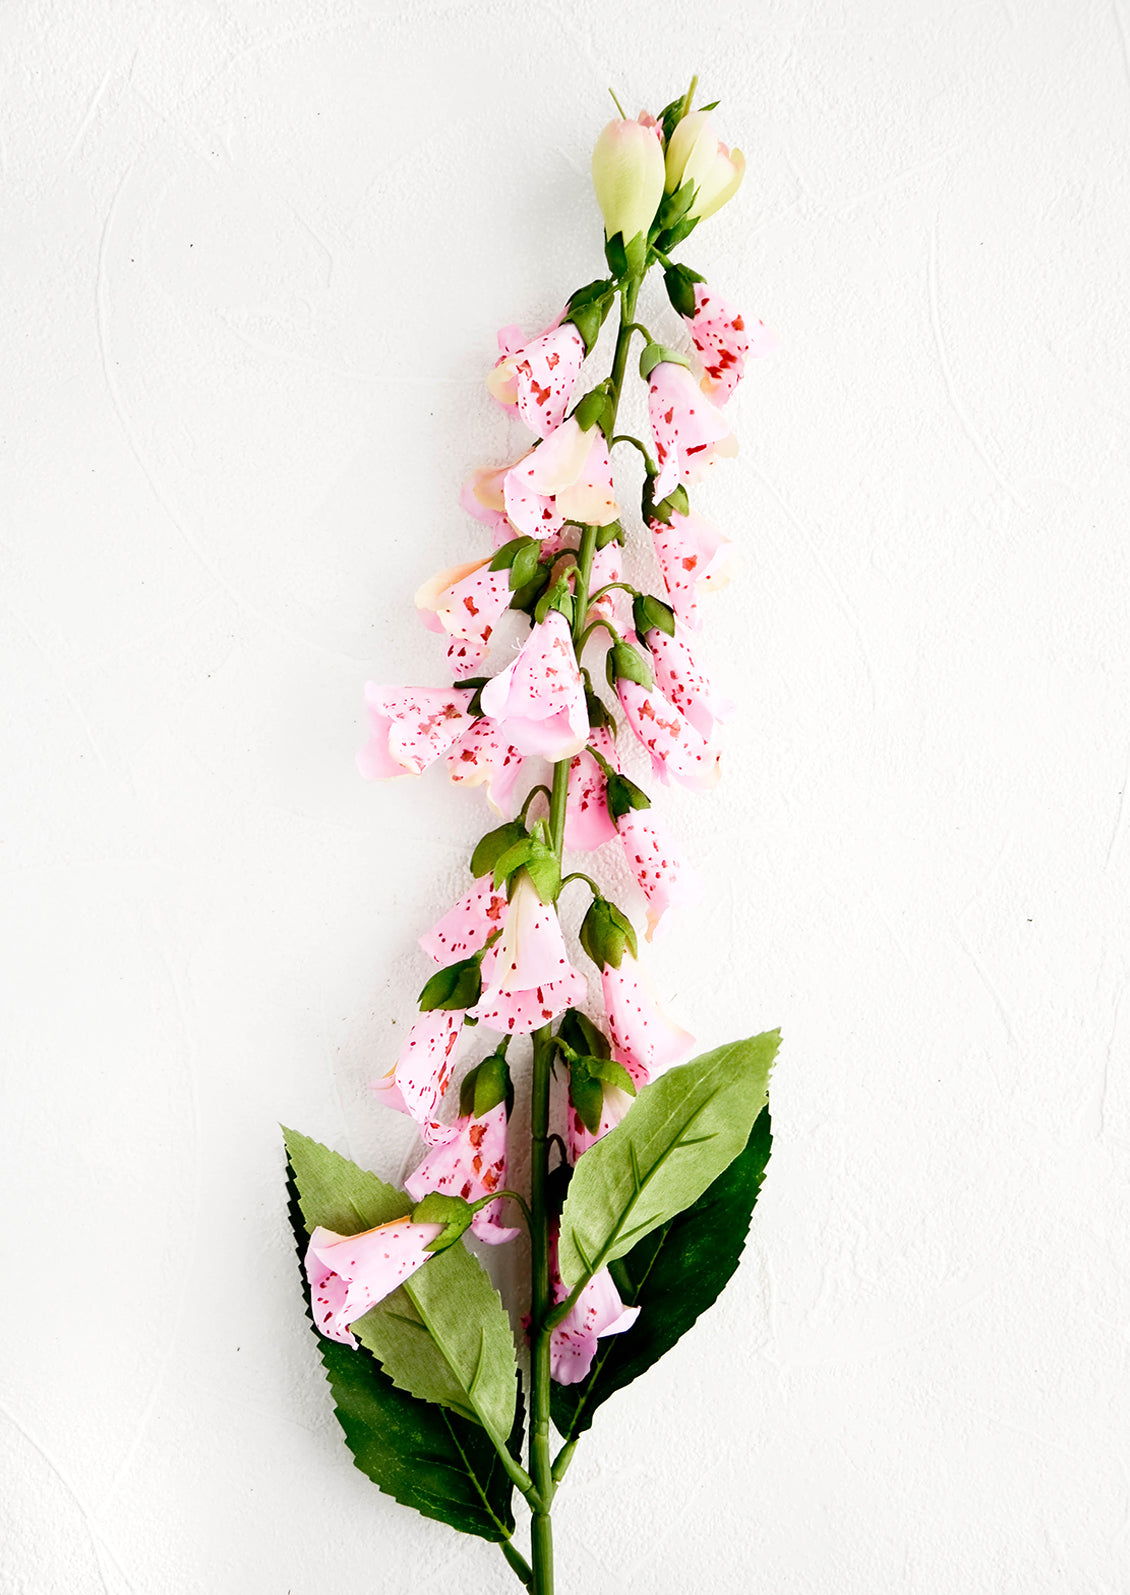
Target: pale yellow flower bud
{"points": [[695, 154], [627, 174]]}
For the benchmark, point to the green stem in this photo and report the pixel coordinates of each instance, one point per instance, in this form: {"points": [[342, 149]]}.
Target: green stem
{"points": [[518, 1562]]}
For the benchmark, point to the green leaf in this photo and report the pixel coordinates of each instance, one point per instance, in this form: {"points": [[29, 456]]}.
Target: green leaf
{"points": [[459, 985], [682, 1131], [423, 1456], [673, 1275], [491, 847]]}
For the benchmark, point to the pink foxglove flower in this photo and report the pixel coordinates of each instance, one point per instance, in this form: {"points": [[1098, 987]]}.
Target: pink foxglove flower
{"points": [[693, 558], [725, 342], [695, 154], [527, 977], [418, 1079], [537, 378], [588, 823], [683, 682], [538, 701], [643, 1037], [566, 478], [466, 927], [471, 1163], [484, 756], [678, 751], [662, 874], [412, 727], [482, 497], [348, 1274], [467, 602], [689, 433], [598, 1311]]}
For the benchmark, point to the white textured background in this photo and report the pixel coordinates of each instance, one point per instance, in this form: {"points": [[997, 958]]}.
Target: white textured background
{"points": [[253, 258]]}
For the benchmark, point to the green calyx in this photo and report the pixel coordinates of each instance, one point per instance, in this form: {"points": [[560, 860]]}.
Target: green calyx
{"points": [[588, 308], [595, 409], [606, 933], [588, 1079], [451, 1211], [676, 503], [491, 847], [679, 282], [485, 1086], [652, 614], [625, 661], [458, 985], [626, 259], [521, 557], [655, 354], [540, 863], [620, 795]]}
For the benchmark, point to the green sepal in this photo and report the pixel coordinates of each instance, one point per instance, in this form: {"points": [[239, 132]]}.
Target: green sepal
{"points": [[559, 597], [525, 598], [670, 117], [620, 795], [540, 863], [673, 208], [587, 309], [626, 259], [669, 240], [674, 1275], [485, 1086], [613, 532], [451, 1211], [683, 1130], [476, 683], [600, 715], [679, 282], [624, 660], [606, 932], [490, 848], [655, 354], [713, 106], [578, 1032], [651, 613], [676, 503], [588, 1077], [459, 985], [592, 409], [517, 549]]}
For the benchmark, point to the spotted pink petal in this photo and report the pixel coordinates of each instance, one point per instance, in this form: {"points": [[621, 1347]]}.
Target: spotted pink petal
{"points": [[484, 756], [465, 928], [527, 977], [678, 751], [588, 823], [471, 1164], [538, 378], [539, 699], [598, 1311], [517, 1013], [422, 1072], [693, 557], [682, 680], [590, 498], [640, 1032], [689, 433], [468, 608], [482, 497], [348, 1274], [568, 477], [661, 872], [411, 727], [725, 342], [616, 1104]]}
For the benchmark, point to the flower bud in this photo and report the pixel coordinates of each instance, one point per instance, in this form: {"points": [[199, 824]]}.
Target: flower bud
{"points": [[627, 174], [695, 154]]}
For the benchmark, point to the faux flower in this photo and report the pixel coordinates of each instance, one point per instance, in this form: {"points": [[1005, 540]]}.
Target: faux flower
{"points": [[661, 872], [598, 1311], [693, 558], [527, 977], [724, 342], [627, 174], [483, 756], [695, 154], [482, 497], [538, 701], [348, 1274], [412, 727], [470, 1163], [467, 602], [643, 1038], [418, 1079], [689, 433], [588, 823], [678, 750], [568, 477], [537, 378], [683, 682], [466, 927]]}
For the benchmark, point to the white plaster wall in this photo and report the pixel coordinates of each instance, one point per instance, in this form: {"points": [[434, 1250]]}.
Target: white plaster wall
{"points": [[254, 255]]}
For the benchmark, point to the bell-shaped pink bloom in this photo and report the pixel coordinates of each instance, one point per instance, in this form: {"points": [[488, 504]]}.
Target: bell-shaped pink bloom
{"points": [[693, 558], [661, 872], [538, 701], [482, 497], [465, 928], [725, 342], [412, 727], [466, 602], [608, 566], [678, 751], [616, 1104], [471, 1163], [485, 756], [642, 1035], [418, 1079], [537, 378], [588, 823], [348, 1274], [568, 477], [527, 977], [681, 679], [689, 433], [598, 1311]]}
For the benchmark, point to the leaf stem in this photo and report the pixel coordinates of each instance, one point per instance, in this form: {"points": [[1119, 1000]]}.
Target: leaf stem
{"points": [[518, 1562]]}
